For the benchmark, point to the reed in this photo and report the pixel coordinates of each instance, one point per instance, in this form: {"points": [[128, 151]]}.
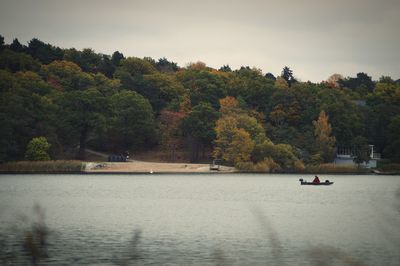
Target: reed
{"points": [[330, 168], [42, 166], [390, 167]]}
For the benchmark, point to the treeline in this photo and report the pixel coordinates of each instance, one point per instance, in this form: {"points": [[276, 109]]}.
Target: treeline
{"points": [[80, 99]]}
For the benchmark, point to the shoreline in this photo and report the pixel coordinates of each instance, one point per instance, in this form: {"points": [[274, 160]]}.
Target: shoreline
{"points": [[142, 168]]}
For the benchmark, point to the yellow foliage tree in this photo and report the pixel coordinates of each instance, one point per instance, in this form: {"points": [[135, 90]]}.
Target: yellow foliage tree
{"points": [[229, 106], [281, 83], [239, 150], [224, 129], [324, 143]]}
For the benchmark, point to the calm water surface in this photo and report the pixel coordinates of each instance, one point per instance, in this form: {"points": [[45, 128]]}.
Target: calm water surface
{"points": [[208, 219]]}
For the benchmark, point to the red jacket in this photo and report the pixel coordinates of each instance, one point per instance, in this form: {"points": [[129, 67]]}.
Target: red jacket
{"points": [[316, 180]]}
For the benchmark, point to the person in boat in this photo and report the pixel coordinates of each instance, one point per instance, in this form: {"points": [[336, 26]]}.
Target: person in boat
{"points": [[316, 180]]}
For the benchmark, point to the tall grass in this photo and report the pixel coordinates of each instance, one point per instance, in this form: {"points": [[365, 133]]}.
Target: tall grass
{"points": [[390, 167], [330, 168], [269, 166], [42, 167]]}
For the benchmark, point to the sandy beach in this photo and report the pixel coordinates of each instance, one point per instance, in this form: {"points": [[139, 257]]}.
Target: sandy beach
{"points": [[151, 167]]}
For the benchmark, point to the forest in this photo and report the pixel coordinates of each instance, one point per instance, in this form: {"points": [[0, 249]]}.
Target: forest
{"points": [[56, 103]]}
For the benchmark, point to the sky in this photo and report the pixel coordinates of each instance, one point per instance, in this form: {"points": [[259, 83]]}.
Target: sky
{"points": [[315, 38]]}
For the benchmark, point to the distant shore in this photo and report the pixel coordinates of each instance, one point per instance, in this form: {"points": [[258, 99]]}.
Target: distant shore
{"points": [[133, 167], [141, 167], [152, 167]]}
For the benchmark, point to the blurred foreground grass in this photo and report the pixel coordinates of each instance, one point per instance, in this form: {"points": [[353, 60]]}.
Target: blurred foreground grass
{"points": [[29, 246]]}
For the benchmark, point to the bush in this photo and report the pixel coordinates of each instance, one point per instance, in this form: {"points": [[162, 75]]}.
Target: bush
{"points": [[245, 166], [298, 166], [268, 165], [316, 159], [37, 150]]}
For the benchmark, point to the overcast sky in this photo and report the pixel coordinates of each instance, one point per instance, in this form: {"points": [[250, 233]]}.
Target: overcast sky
{"points": [[315, 38]]}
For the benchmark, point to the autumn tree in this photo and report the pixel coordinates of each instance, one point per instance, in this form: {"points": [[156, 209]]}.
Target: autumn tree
{"points": [[324, 142], [171, 131], [281, 83], [225, 127], [67, 76], [334, 81], [236, 133], [240, 148], [229, 106]]}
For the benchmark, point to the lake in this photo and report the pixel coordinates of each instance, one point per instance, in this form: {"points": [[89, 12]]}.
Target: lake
{"points": [[228, 219]]}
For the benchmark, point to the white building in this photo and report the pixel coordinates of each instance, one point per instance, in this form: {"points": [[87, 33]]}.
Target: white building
{"points": [[344, 156]]}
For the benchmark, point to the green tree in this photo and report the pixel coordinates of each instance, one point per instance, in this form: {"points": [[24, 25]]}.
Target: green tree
{"points": [[2, 46], [37, 150], [81, 112], [392, 150], [26, 110], [251, 86], [45, 53], [346, 118], [287, 74], [361, 150], [165, 66], [271, 76], [136, 66], [362, 84], [132, 123], [202, 84], [283, 154], [16, 46], [68, 76], [382, 106], [225, 68], [116, 58], [14, 62], [160, 90], [106, 86], [199, 125]]}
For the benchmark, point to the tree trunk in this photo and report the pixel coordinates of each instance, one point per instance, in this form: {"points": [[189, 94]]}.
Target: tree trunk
{"points": [[194, 149], [82, 143]]}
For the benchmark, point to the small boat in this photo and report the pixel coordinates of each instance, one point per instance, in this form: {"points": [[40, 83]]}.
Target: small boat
{"points": [[326, 183]]}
